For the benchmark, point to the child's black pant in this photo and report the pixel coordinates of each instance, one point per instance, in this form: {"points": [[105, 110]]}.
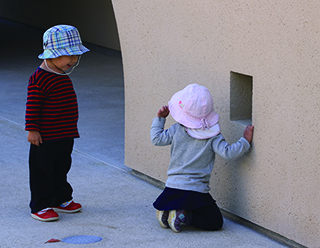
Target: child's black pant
{"points": [[49, 165], [206, 218]]}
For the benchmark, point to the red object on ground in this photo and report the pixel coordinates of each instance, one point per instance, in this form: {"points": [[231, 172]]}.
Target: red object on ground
{"points": [[53, 241]]}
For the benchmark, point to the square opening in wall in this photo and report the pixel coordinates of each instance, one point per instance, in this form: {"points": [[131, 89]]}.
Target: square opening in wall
{"points": [[241, 98]]}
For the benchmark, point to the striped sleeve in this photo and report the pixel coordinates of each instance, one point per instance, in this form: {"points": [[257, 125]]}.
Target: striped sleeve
{"points": [[33, 106]]}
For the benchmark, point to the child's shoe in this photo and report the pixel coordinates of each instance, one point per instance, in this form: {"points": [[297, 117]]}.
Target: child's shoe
{"points": [[162, 217], [47, 214], [176, 217], [68, 207]]}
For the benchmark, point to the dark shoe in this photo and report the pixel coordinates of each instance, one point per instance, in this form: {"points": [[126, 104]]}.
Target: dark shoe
{"points": [[162, 217], [176, 217]]}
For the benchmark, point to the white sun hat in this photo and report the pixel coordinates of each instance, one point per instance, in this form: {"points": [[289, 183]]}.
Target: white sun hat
{"points": [[193, 108]]}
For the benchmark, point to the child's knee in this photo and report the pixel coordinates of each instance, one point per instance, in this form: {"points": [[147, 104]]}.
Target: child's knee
{"points": [[213, 224], [216, 225], [208, 223]]}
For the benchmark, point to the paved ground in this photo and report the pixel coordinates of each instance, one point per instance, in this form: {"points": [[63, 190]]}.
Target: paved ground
{"points": [[116, 205]]}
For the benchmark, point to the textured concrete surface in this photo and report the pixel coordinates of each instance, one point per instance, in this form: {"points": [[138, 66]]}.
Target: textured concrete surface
{"points": [[116, 205], [168, 44]]}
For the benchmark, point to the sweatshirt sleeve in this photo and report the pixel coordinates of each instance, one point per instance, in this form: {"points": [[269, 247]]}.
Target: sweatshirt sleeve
{"points": [[159, 136], [227, 151]]}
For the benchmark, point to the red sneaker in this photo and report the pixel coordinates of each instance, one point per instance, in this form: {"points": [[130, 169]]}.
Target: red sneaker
{"points": [[68, 207], [46, 214]]}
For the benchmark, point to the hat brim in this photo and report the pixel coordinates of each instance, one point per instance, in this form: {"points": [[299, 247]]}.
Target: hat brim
{"points": [[68, 51], [204, 134]]}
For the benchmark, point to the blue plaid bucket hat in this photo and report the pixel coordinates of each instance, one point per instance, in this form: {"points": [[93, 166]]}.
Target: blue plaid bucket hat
{"points": [[62, 40]]}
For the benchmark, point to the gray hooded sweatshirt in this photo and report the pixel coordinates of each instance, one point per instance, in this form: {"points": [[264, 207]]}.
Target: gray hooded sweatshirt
{"points": [[192, 159]]}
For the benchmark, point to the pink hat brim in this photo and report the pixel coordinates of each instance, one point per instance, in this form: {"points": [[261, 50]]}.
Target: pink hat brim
{"points": [[204, 134]]}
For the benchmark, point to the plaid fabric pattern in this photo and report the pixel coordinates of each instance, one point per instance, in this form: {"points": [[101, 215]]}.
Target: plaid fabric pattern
{"points": [[62, 40]]}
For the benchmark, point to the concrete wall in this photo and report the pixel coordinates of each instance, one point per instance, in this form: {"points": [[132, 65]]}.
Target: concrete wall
{"points": [[167, 45], [94, 19]]}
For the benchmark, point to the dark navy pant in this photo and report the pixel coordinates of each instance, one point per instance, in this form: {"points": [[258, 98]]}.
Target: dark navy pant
{"points": [[206, 218], [49, 165]]}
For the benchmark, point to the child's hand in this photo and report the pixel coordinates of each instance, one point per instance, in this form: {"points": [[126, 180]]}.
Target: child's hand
{"points": [[248, 133], [34, 138], [163, 112]]}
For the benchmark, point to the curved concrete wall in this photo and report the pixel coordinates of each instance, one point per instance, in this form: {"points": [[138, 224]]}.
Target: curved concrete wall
{"points": [[169, 44]]}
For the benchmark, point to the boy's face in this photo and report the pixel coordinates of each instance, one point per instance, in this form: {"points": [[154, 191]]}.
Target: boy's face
{"points": [[65, 62]]}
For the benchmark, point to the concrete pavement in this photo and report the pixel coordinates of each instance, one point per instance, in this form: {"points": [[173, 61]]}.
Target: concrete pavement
{"points": [[117, 206]]}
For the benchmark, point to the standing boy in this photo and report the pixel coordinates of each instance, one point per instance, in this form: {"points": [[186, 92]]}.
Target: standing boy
{"points": [[51, 122]]}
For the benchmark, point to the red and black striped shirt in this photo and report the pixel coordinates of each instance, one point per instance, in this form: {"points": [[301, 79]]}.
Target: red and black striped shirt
{"points": [[52, 107]]}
